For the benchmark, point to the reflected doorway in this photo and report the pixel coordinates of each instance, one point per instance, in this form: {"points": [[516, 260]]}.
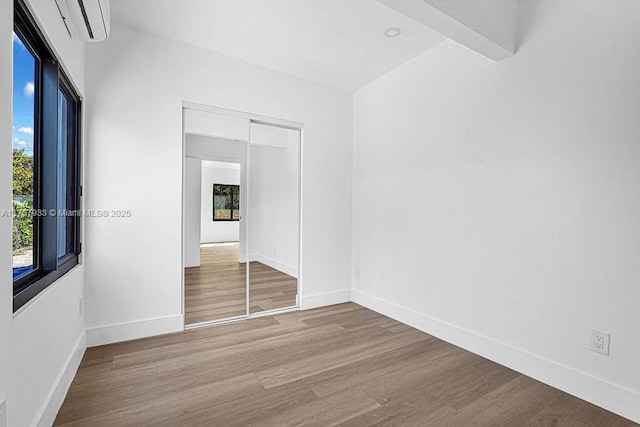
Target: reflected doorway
{"points": [[215, 275]]}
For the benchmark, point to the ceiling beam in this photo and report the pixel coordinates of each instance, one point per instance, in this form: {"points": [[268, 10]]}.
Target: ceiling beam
{"points": [[486, 26]]}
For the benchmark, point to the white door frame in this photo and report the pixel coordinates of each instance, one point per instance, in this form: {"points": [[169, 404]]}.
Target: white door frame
{"points": [[260, 119]]}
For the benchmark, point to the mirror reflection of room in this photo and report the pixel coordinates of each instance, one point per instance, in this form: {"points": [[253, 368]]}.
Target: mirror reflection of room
{"points": [[241, 218], [215, 287], [273, 217]]}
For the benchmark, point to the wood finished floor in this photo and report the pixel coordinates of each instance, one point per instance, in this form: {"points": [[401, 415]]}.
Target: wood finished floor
{"points": [[217, 289], [340, 365], [270, 289]]}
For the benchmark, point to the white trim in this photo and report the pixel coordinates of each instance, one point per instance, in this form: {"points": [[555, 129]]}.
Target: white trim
{"points": [[134, 330], [247, 230], [52, 404], [182, 213], [235, 319], [324, 299], [300, 218], [596, 390], [274, 312], [256, 118], [210, 323]]}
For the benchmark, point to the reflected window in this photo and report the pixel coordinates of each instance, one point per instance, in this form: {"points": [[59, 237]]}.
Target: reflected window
{"points": [[226, 202]]}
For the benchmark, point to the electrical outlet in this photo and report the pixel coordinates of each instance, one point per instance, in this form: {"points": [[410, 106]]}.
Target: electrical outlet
{"points": [[356, 271], [600, 342], [3, 413]]}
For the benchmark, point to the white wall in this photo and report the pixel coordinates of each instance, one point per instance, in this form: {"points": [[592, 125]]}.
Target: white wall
{"points": [[214, 125], [137, 83], [192, 211], [206, 147], [496, 204], [217, 231], [42, 343]]}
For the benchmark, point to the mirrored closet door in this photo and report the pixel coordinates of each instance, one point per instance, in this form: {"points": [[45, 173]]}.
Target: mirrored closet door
{"points": [[274, 217], [241, 227]]}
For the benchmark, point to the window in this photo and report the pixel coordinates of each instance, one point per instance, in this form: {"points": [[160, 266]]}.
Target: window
{"points": [[24, 78], [46, 164], [226, 202]]}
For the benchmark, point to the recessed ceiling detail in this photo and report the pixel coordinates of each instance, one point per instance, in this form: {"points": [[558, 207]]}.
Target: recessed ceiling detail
{"points": [[489, 26], [334, 42], [393, 32]]}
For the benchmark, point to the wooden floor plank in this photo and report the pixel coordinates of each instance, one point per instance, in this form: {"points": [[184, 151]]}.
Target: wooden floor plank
{"points": [[351, 352], [217, 288], [340, 365], [330, 410], [380, 365]]}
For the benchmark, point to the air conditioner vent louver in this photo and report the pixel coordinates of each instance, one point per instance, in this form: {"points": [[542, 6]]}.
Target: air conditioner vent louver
{"points": [[86, 20]]}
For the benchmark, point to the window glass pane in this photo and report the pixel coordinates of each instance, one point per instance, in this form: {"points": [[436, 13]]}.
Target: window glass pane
{"points": [[220, 208], [236, 202], [24, 89], [221, 202], [65, 195], [226, 202]]}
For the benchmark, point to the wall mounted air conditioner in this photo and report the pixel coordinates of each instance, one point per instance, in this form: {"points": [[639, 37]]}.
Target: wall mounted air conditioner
{"points": [[86, 20]]}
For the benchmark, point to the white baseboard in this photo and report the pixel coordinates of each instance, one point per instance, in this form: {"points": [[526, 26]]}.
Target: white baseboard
{"points": [[275, 264], [324, 299], [52, 404], [133, 330], [600, 392]]}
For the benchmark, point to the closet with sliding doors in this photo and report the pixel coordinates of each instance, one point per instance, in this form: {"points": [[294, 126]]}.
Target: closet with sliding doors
{"points": [[241, 215]]}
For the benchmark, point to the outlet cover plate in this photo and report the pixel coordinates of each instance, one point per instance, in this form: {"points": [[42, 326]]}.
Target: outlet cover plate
{"points": [[600, 342]]}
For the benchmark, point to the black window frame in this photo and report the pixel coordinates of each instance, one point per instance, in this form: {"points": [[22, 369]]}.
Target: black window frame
{"points": [[234, 190], [50, 78]]}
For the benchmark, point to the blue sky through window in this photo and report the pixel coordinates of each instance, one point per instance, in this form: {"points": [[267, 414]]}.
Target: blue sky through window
{"points": [[23, 96]]}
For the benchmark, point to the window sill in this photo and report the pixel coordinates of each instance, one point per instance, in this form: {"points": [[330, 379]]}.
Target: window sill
{"points": [[39, 287]]}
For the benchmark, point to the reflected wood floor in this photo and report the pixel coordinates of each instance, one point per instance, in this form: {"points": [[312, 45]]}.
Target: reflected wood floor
{"points": [[217, 289], [270, 289], [339, 365]]}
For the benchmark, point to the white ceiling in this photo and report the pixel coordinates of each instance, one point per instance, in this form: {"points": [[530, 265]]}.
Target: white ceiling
{"points": [[340, 43]]}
